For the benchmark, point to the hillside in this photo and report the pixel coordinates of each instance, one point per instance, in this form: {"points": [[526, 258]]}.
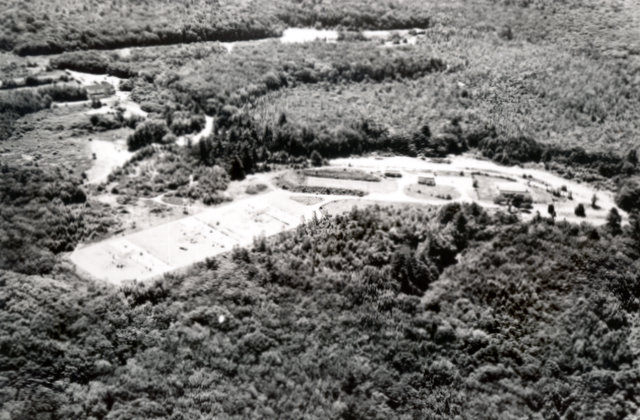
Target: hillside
{"points": [[332, 209], [525, 320]]}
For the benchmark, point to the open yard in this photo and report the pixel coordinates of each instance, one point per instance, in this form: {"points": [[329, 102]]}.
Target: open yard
{"points": [[148, 253], [384, 186], [108, 151], [442, 192]]}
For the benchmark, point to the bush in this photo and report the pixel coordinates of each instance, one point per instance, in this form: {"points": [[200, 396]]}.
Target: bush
{"points": [[316, 158], [628, 197], [148, 132], [579, 210]]}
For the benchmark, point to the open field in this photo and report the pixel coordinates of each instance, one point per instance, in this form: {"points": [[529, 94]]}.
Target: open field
{"points": [[424, 192], [109, 154], [148, 253]]}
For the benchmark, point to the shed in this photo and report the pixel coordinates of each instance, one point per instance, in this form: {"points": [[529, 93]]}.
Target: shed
{"points": [[427, 179], [100, 90]]}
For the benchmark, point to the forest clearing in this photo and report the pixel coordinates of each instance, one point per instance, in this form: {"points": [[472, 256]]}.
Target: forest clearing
{"points": [[154, 251], [319, 209]]}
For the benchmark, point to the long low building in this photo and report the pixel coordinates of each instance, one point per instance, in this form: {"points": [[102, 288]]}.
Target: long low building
{"points": [[393, 173], [512, 188]]}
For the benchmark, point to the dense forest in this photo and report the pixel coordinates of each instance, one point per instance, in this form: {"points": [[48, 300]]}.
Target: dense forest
{"points": [[532, 320], [446, 93], [52, 27], [44, 213], [378, 313]]}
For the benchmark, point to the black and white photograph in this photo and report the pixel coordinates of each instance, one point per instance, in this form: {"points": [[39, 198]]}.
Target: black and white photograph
{"points": [[319, 209]]}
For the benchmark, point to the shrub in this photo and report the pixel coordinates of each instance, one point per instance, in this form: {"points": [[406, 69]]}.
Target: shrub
{"points": [[628, 197], [316, 158], [151, 131]]}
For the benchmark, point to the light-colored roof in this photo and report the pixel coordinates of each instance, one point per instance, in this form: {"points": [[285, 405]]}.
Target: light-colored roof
{"points": [[512, 187]]}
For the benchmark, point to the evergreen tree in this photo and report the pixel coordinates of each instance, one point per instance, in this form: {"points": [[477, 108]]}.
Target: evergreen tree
{"points": [[460, 234], [316, 158], [236, 172], [632, 157], [614, 222], [634, 228]]}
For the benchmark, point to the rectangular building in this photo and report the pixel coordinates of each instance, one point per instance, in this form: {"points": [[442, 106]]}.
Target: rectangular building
{"points": [[512, 188], [428, 179]]}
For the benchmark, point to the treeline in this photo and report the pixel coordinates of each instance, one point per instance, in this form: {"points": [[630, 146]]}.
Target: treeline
{"points": [[523, 149], [53, 31], [91, 62], [141, 33], [42, 214], [356, 15], [160, 36], [16, 103], [33, 80], [519, 320], [238, 136], [25, 101]]}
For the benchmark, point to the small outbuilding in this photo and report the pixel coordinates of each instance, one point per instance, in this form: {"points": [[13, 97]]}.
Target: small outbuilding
{"points": [[427, 179], [392, 173], [100, 90]]}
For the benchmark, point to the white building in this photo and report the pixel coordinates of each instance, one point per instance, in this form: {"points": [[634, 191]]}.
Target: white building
{"points": [[512, 188]]}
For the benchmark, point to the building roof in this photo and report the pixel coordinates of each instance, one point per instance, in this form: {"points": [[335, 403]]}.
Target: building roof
{"points": [[99, 87], [512, 187]]}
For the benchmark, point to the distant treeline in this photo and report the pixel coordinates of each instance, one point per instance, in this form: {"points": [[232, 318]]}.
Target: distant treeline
{"points": [[39, 33], [159, 36], [91, 62], [238, 133], [352, 16], [238, 136], [25, 101]]}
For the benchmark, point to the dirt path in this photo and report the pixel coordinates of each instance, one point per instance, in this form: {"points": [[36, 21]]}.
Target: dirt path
{"points": [[195, 138], [108, 155]]}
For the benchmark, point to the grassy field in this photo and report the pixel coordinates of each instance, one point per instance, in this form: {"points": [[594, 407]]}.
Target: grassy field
{"points": [[52, 138], [443, 192]]}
